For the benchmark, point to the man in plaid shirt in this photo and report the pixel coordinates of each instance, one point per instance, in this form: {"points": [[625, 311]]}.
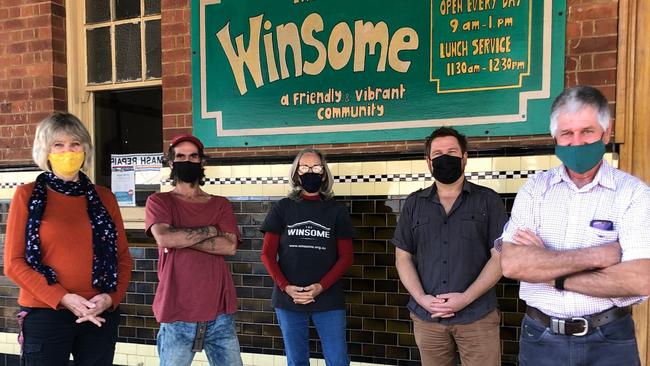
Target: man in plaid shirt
{"points": [[578, 241]]}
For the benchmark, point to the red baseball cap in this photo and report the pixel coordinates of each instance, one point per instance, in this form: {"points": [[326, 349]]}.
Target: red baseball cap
{"points": [[186, 137]]}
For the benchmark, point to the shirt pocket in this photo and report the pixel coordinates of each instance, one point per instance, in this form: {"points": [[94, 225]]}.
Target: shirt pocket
{"points": [[473, 226], [596, 236], [420, 230]]}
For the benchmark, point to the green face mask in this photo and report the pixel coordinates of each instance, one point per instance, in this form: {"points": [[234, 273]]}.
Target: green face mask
{"points": [[581, 158]]}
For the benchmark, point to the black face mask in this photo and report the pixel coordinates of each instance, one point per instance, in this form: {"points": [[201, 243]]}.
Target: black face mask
{"points": [[446, 168], [311, 182], [187, 171]]}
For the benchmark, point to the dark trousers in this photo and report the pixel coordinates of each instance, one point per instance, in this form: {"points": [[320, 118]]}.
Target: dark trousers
{"points": [[52, 335], [609, 345]]}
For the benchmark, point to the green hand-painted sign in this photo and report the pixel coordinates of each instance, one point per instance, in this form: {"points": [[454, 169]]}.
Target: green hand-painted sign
{"points": [[314, 71]]}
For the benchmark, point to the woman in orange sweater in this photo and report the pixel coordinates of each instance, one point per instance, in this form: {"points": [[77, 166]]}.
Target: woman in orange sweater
{"points": [[65, 247]]}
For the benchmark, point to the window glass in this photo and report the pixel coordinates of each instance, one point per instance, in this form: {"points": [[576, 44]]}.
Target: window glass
{"points": [[128, 59], [127, 9], [98, 55], [98, 11], [152, 46], [151, 7]]}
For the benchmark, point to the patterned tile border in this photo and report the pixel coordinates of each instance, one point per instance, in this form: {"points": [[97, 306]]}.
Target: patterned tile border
{"points": [[370, 178], [503, 174]]}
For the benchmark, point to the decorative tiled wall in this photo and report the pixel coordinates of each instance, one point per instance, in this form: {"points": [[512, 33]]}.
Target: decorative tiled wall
{"points": [[380, 331]]}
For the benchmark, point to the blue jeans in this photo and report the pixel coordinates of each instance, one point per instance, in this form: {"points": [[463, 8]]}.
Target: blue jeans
{"points": [[612, 344], [331, 329], [221, 346]]}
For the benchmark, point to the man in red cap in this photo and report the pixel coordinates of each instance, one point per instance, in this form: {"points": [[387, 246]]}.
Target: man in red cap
{"points": [[195, 299]]}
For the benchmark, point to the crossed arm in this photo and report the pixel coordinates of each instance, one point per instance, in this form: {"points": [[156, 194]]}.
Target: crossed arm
{"points": [[206, 239], [595, 271]]}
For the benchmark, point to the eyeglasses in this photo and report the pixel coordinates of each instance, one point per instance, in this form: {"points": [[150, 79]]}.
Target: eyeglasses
{"points": [[302, 169]]}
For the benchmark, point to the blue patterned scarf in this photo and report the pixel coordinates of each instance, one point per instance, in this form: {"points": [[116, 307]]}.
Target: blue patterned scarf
{"points": [[104, 232]]}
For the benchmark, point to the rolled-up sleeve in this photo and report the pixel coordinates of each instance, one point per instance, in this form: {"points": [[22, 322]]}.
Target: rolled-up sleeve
{"points": [[403, 236]]}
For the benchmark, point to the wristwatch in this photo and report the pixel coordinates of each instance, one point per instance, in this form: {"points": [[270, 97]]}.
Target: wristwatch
{"points": [[559, 283]]}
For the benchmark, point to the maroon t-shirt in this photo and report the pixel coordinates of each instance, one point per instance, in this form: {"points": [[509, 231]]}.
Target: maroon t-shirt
{"points": [[193, 286]]}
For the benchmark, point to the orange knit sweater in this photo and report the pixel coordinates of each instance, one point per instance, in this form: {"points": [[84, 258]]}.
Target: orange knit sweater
{"points": [[66, 246]]}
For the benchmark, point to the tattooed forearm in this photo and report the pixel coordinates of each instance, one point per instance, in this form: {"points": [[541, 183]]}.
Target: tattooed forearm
{"points": [[224, 244], [175, 237], [195, 234]]}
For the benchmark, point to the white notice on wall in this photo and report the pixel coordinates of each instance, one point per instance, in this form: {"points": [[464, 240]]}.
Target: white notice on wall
{"points": [[123, 186], [127, 170]]}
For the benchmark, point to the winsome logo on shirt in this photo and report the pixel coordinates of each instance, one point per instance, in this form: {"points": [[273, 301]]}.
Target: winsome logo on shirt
{"points": [[308, 229]]}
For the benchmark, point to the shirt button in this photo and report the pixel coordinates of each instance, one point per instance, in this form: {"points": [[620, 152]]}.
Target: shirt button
{"points": [[444, 262], [444, 242], [445, 223], [444, 281]]}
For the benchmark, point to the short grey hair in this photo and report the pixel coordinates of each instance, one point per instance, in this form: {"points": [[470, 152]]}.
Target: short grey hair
{"points": [[574, 99], [53, 126], [294, 178]]}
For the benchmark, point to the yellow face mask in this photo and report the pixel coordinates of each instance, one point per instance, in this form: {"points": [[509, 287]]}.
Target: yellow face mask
{"points": [[66, 164]]}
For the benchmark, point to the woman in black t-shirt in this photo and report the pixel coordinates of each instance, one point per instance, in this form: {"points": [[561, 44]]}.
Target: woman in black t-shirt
{"points": [[307, 248]]}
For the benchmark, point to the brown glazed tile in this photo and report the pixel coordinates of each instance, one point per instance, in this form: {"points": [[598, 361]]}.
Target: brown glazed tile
{"points": [[397, 299], [263, 342], [407, 340], [386, 312], [354, 298], [398, 326], [374, 298], [386, 285], [364, 259], [384, 232], [397, 352], [385, 338], [385, 259], [361, 310], [363, 207], [262, 318], [512, 319], [360, 336], [374, 246], [373, 350], [374, 220], [373, 272], [362, 285], [374, 324]]}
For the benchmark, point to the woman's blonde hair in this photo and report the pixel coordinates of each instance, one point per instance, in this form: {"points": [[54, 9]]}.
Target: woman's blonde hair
{"points": [[294, 178], [51, 128]]}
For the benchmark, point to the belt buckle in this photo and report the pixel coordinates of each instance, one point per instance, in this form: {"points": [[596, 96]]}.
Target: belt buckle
{"points": [[586, 324], [558, 326]]}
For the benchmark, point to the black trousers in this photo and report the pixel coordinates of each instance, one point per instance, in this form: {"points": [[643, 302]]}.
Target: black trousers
{"points": [[52, 335]]}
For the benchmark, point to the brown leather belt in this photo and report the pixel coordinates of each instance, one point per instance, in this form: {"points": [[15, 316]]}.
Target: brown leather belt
{"points": [[199, 337], [579, 325]]}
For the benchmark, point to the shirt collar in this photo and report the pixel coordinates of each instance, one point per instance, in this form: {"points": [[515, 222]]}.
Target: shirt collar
{"points": [[432, 194], [604, 176]]}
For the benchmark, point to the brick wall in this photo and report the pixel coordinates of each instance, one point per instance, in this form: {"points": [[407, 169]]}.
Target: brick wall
{"points": [[591, 45], [33, 73], [176, 67]]}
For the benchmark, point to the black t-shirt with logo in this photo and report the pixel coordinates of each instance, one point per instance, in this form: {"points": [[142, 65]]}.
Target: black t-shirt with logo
{"points": [[307, 251]]}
